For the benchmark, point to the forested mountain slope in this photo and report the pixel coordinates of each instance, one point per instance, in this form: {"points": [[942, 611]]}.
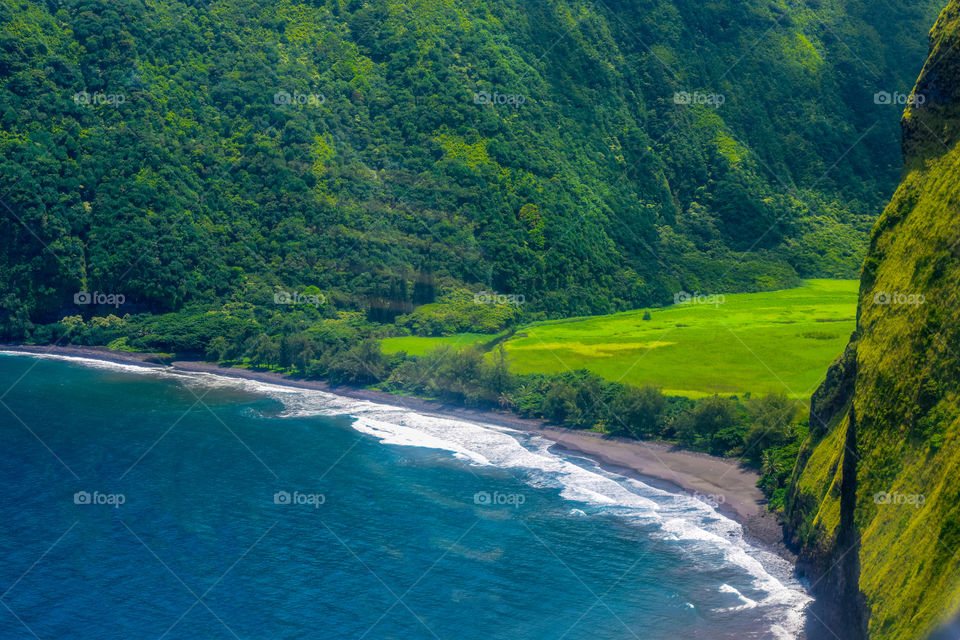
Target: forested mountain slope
{"points": [[588, 156], [875, 503]]}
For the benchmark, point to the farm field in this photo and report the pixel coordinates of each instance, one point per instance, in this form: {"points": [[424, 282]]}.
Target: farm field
{"points": [[772, 342], [417, 346]]}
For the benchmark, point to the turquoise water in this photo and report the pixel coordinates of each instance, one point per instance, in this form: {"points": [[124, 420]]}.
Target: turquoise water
{"points": [[146, 505]]}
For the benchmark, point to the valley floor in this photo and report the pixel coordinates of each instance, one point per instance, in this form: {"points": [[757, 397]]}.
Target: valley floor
{"points": [[759, 343]]}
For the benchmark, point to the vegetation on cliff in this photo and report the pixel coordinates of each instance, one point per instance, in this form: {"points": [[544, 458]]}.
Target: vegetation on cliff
{"points": [[592, 157], [877, 479]]}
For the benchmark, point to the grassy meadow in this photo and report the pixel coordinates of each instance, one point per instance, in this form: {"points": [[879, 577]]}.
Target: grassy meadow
{"points": [[417, 346], [772, 342]]}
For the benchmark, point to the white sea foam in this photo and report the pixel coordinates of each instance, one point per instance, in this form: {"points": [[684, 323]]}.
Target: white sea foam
{"points": [[87, 362], [675, 516], [746, 603]]}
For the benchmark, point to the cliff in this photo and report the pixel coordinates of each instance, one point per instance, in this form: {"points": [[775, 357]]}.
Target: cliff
{"points": [[874, 507]]}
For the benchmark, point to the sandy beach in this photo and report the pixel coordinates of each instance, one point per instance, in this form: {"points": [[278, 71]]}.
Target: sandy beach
{"points": [[722, 482]]}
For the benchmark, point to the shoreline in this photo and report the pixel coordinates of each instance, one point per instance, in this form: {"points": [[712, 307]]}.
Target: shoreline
{"points": [[731, 488]]}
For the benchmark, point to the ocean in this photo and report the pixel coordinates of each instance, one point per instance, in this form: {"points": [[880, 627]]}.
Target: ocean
{"points": [[141, 503]]}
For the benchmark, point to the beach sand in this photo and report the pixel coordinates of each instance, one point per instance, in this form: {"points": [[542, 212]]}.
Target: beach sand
{"points": [[724, 483]]}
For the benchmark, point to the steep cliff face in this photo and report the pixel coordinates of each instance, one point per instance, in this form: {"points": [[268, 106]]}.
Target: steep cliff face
{"points": [[875, 502]]}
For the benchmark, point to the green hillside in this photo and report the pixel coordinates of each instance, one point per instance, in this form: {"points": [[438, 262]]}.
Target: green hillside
{"points": [[875, 503], [592, 157]]}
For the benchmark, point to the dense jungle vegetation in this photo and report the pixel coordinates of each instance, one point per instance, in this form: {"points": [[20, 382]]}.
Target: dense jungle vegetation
{"points": [[590, 157]]}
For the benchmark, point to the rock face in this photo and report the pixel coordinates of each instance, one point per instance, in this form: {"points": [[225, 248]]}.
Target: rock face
{"points": [[874, 508]]}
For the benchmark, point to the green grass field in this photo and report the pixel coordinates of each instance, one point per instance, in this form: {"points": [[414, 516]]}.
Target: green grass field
{"points": [[417, 346], [774, 342]]}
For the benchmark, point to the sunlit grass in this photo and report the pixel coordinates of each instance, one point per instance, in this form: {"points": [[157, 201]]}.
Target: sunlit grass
{"points": [[779, 341], [774, 342], [417, 346]]}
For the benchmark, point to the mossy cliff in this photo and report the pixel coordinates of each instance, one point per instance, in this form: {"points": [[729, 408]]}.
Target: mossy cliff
{"points": [[875, 504]]}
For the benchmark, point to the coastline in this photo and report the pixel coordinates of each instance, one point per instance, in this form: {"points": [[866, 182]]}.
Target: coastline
{"points": [[731, 488]]}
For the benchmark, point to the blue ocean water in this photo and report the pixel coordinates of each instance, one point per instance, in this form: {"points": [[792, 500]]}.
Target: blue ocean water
{"points": [[139, 504]]}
